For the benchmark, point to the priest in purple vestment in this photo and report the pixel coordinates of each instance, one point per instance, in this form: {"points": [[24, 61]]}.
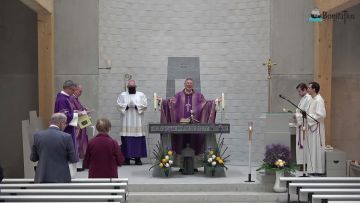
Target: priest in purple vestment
{"points": [[80, 134], [180, 106], [64, 105]]}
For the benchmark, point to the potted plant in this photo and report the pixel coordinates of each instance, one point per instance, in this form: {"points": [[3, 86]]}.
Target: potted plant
{"points": [[277, 159], [215, 159], [164, 161]]}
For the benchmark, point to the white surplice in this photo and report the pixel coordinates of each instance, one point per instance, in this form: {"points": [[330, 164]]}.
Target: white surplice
{"points": [[132, 118], [304, 105], [316, 136]]}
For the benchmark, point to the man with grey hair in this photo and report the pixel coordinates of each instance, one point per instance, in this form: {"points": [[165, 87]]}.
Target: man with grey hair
{"points": [[53, 149], [63, 104]]}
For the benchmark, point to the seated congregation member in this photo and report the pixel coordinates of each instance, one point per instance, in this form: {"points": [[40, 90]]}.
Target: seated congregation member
{"points": [[103, 154], [53, 149]]}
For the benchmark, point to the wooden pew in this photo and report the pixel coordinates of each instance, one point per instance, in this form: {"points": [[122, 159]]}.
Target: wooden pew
{"points": [[306, 193], [75, 180], [64, 198], [90, 191], [294, 188], [63, 191], [81, 186], [325, 198], [64, 185], [289, 180]]}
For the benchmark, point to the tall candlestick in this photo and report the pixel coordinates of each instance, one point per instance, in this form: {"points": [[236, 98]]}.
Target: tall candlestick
{"points": [[222, 101], [250, 124], [250, 128], [155, 102]]}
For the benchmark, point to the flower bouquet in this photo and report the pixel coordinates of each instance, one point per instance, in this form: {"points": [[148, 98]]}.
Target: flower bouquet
{"points": [[215, 159], [164, 160], [277, 158]]}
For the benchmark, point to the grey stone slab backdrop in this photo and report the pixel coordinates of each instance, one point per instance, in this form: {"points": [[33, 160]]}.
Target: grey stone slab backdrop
{"points": [[345, 92], [77, 36], [181, 68]]}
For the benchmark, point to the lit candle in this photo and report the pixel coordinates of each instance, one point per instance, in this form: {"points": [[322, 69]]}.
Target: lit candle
{"points": [[155, 101], [222, 100], [250, 124]]}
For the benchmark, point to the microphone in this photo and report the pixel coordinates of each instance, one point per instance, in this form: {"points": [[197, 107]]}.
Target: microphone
{"points": [[282, 97], [287, 110]]}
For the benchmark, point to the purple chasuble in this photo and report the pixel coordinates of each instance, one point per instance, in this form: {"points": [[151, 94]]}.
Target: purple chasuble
{"points": [[63, 105], [179, 107], [80, 134]]}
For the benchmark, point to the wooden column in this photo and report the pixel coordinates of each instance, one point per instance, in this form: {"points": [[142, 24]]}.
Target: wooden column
{"points": [[45, 17], [323, 53], [46, 66], [323, 68]]}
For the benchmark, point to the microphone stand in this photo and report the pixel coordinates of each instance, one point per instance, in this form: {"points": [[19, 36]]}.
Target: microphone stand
{"points": [[304, 118]]}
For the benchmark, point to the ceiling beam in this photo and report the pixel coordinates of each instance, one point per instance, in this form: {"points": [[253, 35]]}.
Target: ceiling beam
{"points": [[44, 7], [335, 6]]}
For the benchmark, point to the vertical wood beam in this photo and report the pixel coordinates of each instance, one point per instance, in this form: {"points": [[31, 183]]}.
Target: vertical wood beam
{"points": [[46, 66], [45, 24], [323, 67]]}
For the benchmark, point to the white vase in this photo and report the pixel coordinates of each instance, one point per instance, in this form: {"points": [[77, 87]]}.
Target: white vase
{"points": [[279, 186]]}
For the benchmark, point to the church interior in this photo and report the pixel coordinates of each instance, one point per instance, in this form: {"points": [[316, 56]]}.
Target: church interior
{"points": [[245, 56]]}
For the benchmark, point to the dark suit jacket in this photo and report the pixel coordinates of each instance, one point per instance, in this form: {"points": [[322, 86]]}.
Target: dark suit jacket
{"points": [[103, 156], [53, 149]]}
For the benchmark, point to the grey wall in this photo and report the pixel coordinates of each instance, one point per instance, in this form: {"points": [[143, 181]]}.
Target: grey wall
{"points": [[18, 80], [76, 47], [345, 85], [291, 47], [230, 39]]}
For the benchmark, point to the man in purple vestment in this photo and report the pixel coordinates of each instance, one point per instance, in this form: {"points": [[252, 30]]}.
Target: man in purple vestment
{"points": [[64, 105], [80, 134], [180, 106]]}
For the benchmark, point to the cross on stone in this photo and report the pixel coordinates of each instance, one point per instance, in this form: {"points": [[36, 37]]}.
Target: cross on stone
{"points": [[188, 106]]}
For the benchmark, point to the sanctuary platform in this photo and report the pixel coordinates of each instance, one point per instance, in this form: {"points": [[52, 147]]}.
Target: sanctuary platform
{"points": [[195, 188]]}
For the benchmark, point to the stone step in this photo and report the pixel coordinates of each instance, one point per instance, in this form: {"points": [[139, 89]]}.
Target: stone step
{"points": [[207, 197], [196, 187]]}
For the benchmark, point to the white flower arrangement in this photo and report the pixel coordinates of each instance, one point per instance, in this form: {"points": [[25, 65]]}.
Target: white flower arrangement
{"points": [[164, 158], [215, 157]]}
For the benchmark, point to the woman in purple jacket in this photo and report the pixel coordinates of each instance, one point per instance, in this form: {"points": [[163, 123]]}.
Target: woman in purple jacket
{"points": [[103, 154]]}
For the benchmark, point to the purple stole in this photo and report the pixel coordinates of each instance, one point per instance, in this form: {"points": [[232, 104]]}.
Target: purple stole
{"points": [[80, 134]]}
